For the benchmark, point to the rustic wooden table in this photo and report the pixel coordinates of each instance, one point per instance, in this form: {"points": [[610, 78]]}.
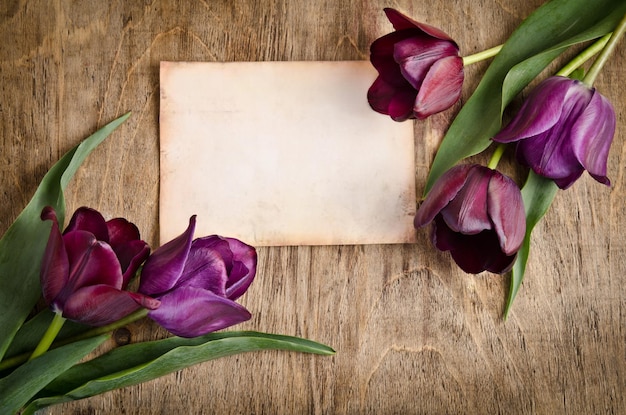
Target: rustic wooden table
{"points": [[413, 334]]}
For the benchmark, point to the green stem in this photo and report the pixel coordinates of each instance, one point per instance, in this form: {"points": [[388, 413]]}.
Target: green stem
{"points": [[96, 331], [49, 336], [481, 56], [14, 361], [606, 53], [497, 155], [584, 56]]}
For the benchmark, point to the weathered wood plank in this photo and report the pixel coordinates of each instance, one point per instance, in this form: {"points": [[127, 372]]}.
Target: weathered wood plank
{"points": [[413, 334]]}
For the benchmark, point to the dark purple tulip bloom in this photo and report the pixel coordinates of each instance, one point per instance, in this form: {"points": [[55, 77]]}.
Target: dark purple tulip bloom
{"points": [[419, 69], [563, 129], [477, 215], [198, 282], [86, 270]]}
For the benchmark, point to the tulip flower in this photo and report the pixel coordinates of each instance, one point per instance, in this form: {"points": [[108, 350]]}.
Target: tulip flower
{"points": [[85, 270], [478, 215], [198, 282], [563, 129], [419, 69]]}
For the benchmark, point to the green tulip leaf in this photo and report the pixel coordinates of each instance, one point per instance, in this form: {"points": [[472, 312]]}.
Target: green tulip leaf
{"points": [[538, 193], [17, 388], [542, 37], [23, 244], [140, 362]]}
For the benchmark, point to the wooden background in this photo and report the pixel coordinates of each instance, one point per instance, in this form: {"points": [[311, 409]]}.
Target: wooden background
{"points": [[413, 334]]}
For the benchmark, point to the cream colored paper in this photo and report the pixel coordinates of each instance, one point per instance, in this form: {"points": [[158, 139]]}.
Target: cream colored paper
{"points": [[282, 153]]}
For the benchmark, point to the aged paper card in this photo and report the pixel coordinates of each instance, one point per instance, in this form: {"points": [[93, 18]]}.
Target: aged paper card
{"points": [[282, 153]]}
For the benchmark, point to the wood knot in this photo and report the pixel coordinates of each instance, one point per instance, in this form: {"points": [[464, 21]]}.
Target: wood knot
{"points": [[121, 336]]}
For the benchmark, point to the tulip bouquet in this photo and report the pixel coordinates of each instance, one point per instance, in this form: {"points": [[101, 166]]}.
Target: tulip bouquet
{"points": [[563, 128], [85, 274]]}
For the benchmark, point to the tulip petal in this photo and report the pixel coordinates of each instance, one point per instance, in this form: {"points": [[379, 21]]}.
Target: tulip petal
{"points": [[565, 182], [380, 94], [215, 243], [98, 305], [442, 192], [592, 135], [442, 236], [131, 255], [121, 231], [89, 220], [55, 266], [441, 87], [92, 262], [416, 56], [206, 267], [399, 20], [243, 270], [550, 154], [389, 100], [402, 22], [164, 267], [506, 210], [501, 263], [144, 301], [191, 312], [481, 252], [557, 159], [382, 58], [401, 105], [467, 212], [540, 112], [472, 253]]}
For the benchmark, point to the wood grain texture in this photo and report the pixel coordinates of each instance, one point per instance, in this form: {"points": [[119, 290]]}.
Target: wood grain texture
{"points": [[413, 334]]}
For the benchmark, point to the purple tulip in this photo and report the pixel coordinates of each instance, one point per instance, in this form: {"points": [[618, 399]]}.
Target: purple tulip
{"points": [[198, 282], [419, 69], [85, 270], [477, 215], [563, 129]]}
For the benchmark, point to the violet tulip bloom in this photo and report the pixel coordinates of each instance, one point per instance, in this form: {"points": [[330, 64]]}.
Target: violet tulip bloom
{"points": [[419, 69], [198, 282], [85, 270], [563, 129], [477, 215]]}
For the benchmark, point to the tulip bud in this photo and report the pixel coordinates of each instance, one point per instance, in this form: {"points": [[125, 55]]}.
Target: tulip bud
{"points": [[478, 215], [563, 129], [419, 69], [197, 282], [85, 270]]}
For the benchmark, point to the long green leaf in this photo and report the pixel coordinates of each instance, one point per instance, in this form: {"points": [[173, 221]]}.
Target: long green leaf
{"points": [[23, 244], [22, 384], [543, 36], [140, 362], [538, 194]]}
